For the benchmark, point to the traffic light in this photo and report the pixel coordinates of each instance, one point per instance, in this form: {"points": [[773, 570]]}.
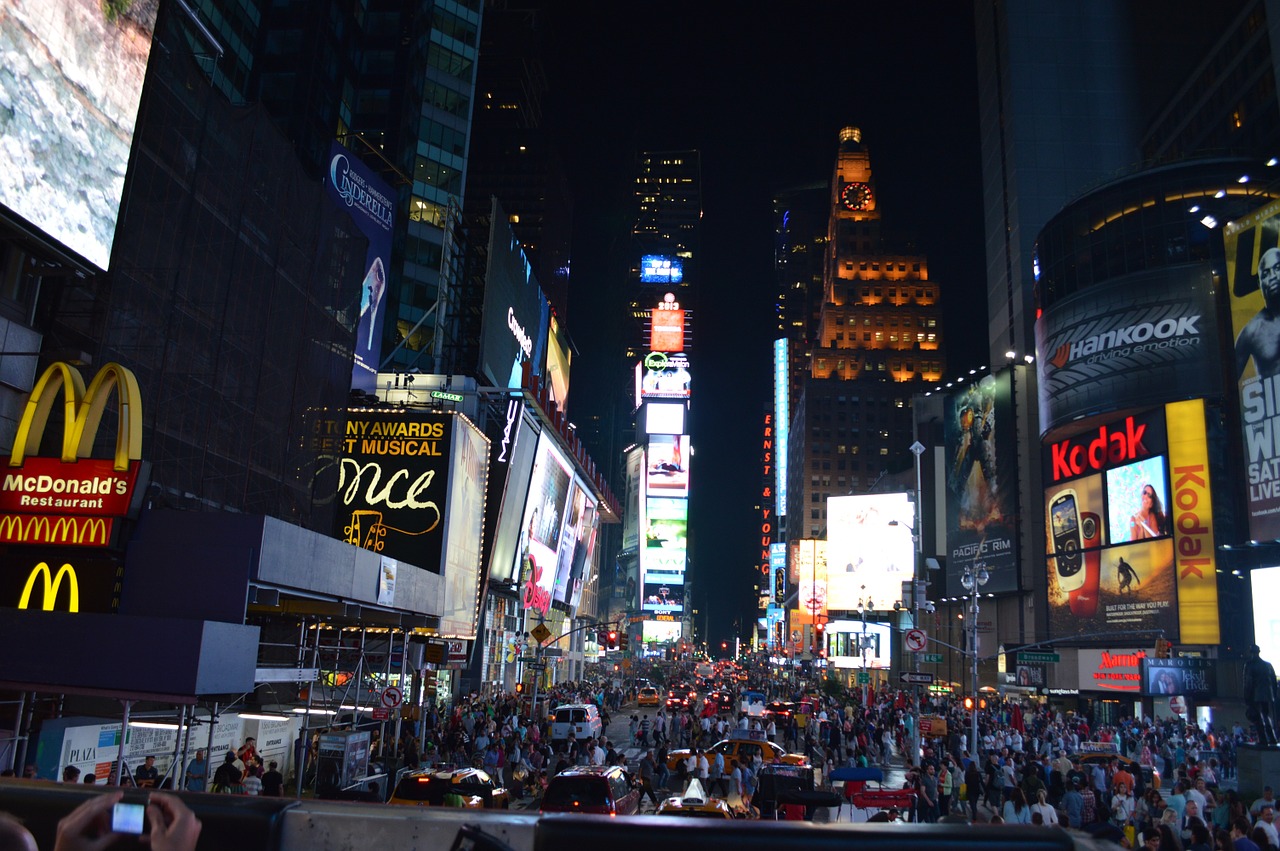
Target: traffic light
{"points": [[968, 703], [982, 703], [623, 641], [1163, 648], [519, 688], [612, 639]]}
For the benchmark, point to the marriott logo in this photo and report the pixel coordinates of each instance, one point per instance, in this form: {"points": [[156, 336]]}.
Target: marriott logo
{"points": [[1121, 660]]}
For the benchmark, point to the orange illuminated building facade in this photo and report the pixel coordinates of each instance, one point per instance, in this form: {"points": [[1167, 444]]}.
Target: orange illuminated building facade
{"points": [[875, 341]]}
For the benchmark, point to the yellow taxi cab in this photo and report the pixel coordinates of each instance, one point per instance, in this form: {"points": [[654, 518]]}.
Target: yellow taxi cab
{"points": [[469, 788], [695, 803], [742, 745], [648, 697], [1101, 753]]}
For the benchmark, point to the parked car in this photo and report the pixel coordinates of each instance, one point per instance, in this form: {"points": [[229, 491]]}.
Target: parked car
{"points": [[473, 788]]}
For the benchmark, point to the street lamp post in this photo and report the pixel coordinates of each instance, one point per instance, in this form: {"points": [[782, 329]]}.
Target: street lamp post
{"points": [[973, 578]]}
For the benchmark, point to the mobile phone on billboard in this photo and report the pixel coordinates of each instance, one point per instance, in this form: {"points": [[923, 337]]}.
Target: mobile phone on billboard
{"points": [[1064, 527], [127, 818]]}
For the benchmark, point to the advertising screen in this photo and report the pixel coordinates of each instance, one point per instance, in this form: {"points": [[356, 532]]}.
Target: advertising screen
{"points": [[569, 540], [1109, 545], [584, 553], [1253, 280], [808, 573], [517, 446], [849, 646], [393, 485], [1144, 339], [1187, 677], [664, 418], [559, 358], [631, 511], [464, 529], [782, 419], [1265, 582], [666, 329], [515, 316], [544, 518], [73, 78], [667, 469], [663, 594], [662, 376], [661, 632], [869, 550], [778, 573], [666, 535], [980, 457], [661, 269], [370, 202]]}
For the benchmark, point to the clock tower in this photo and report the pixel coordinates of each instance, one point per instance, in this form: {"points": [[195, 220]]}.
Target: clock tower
{"points": [[877, 341]]}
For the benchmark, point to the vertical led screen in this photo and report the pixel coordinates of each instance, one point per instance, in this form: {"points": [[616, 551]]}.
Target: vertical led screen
{"points": [[468, 485], [778, 571], [393, 483], [782, 423], [520, 448], [1265, 584], [353, 186], [70, 86], [584, 553], [667, 472], [1253, 280], [631, 511], [666, 326], [869, 550], [981, 510], [1109, 540], [559, 358], [662, 558], [544, 517], [808, 573], [515, 315], [569, 541]]}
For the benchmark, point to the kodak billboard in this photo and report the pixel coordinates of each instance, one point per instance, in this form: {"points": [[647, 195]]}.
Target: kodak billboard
{"points": [[73, 499]]}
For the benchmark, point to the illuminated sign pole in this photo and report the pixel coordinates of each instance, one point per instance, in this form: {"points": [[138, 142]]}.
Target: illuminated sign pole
{"points": [[917, 592]]}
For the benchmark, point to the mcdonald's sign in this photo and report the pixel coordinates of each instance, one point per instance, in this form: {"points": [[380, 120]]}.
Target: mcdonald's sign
{"points": [[43, 583], [71, 499], [52, 582]]}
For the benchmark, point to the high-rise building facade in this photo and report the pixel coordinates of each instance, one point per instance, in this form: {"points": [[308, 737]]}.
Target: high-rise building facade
{"points": [[878, 340]]}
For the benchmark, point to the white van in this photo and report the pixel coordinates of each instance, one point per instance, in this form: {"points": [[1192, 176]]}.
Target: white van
{"points": [[582, 718]]}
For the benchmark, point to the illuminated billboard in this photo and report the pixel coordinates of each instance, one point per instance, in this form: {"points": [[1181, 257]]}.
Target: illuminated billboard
{"points": [[393, 485], [662, 376], [1109, 539], [1143, 339], [517, 446], [808, 573], [1266, 614], [631, 511], [544, 517], [464, 530], [1253, 280], [782, 420], [980, 456], [661, 269], [666, 538], [516, 316], [778, 573], [570, 539], [854, 644], [369, 201], [661, 632], [72, 82], [666, 326], [664, 418], [559, 358], [667, 470], [869, 550]]}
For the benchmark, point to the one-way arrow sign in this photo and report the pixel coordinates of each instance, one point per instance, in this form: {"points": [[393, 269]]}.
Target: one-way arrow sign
{"points": [[911, 677]]}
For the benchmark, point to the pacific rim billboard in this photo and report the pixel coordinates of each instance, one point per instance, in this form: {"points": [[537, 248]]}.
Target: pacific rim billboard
{"points": [[981, 456], [1143, 339], [1253, 279]]}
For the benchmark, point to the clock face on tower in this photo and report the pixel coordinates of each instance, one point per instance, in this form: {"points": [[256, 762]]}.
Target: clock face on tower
{"points": [[856, 196]]}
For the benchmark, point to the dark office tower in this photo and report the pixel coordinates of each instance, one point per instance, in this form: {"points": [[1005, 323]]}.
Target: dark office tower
{"points": [[393, 81], [800, 218], [878, 341], [512, 156]]}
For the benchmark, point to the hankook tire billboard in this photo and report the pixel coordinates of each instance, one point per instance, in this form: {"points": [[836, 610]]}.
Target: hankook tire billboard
{"points": [[1139, 340]]}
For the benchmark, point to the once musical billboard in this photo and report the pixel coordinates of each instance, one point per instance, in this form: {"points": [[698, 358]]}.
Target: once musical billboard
{"points": [[869, 550]]}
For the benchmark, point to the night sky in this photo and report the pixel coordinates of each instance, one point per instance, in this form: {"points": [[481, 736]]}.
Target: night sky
{"points": [[762, 95]]}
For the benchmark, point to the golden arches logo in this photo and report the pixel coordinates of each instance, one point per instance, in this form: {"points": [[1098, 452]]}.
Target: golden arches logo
{"points": [[52, 583], [84, 408], [40, 529]]}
